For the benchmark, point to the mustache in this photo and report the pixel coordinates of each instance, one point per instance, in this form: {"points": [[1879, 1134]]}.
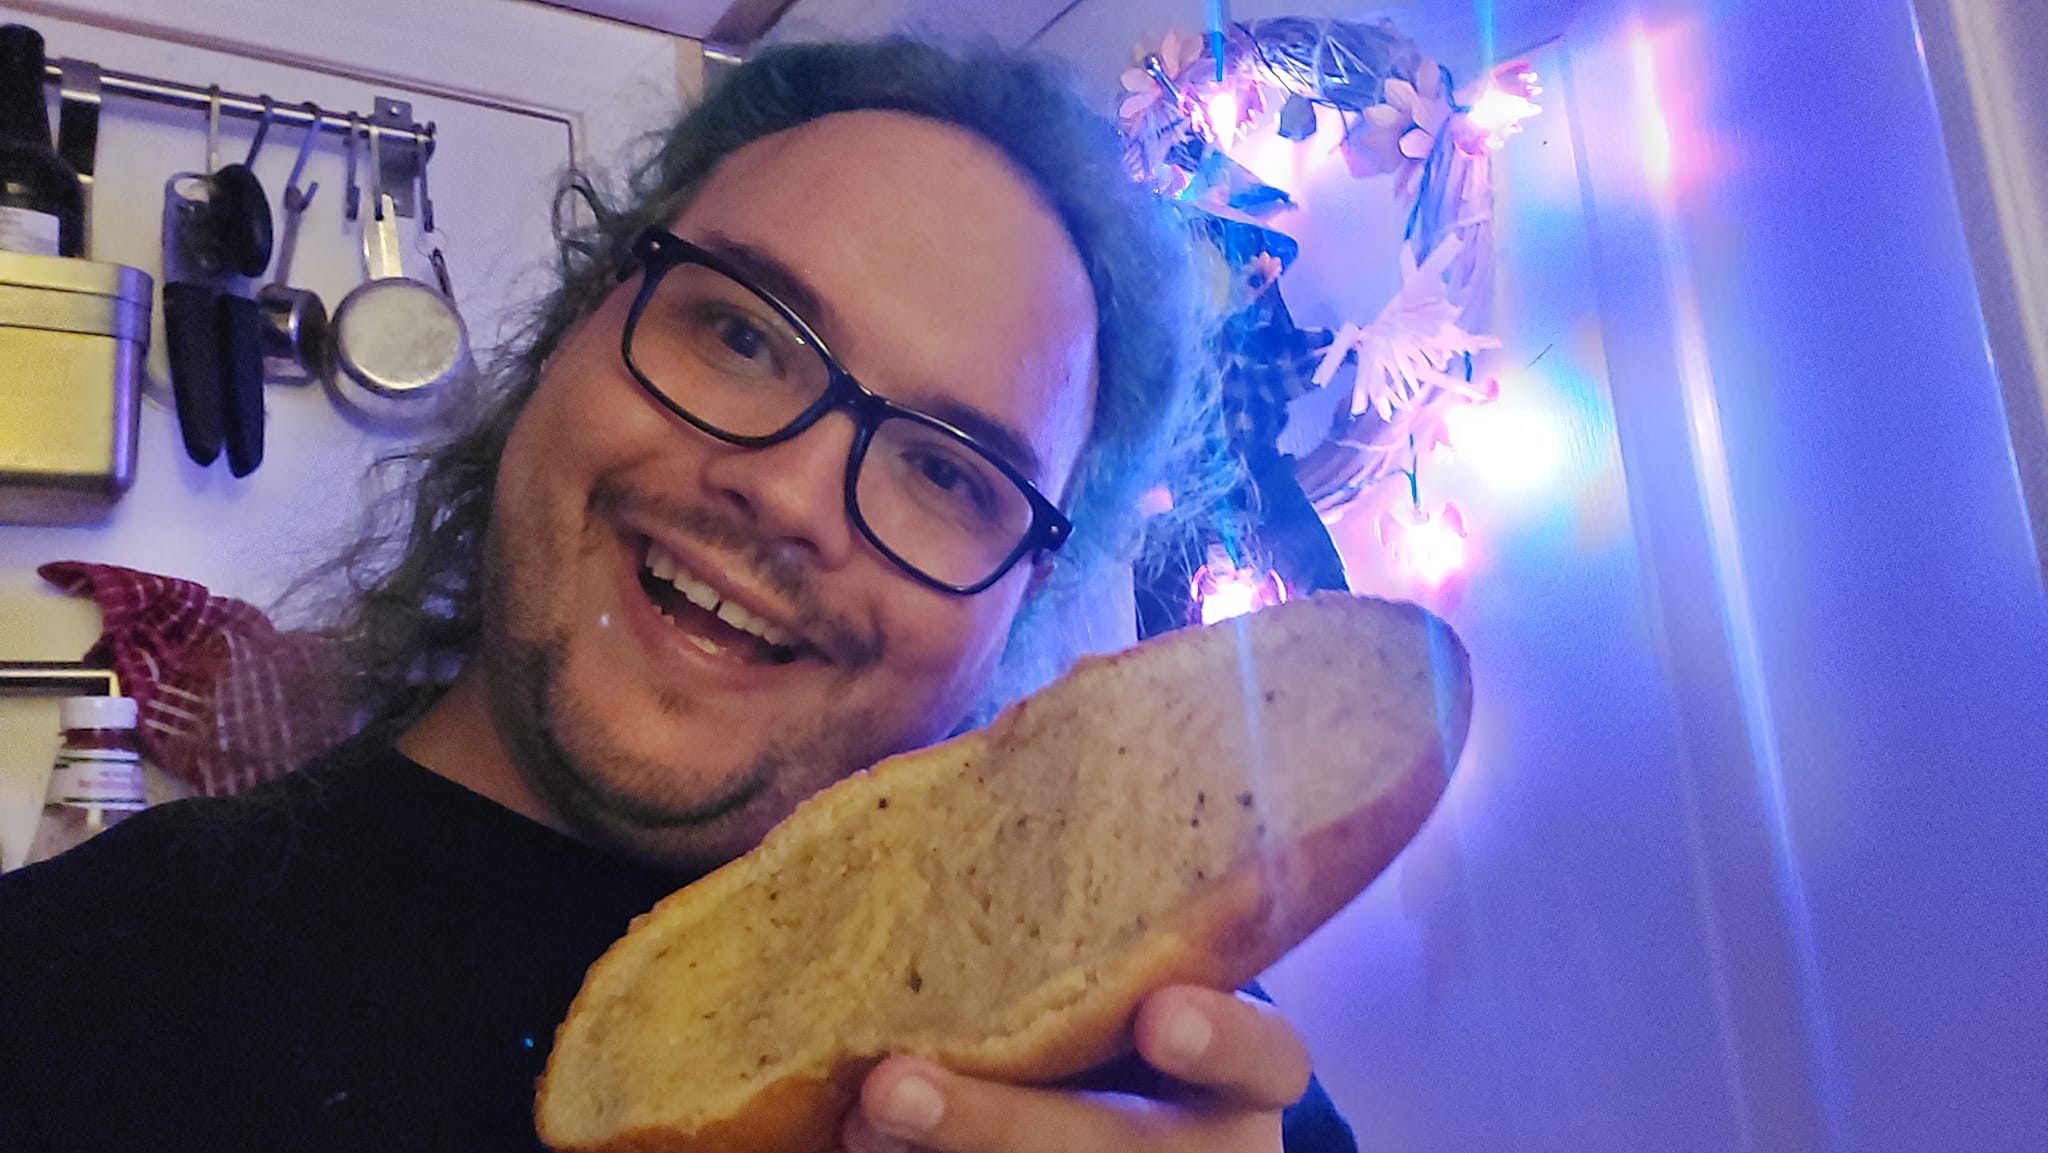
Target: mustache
{"points": [[788, 576]]}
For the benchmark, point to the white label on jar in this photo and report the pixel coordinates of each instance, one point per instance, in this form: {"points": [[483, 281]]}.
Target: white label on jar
{"points": [[29, 231], [106, 778]]}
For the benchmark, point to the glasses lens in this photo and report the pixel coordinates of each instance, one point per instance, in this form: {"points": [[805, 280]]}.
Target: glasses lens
{"points": [[724, 354], [939, 503]]}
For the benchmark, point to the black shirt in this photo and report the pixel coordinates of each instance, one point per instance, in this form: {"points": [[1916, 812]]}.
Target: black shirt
{"points": [[362, 955]]}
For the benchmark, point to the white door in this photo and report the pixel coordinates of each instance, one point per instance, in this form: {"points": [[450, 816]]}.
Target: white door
{"points": [[515, 92]]}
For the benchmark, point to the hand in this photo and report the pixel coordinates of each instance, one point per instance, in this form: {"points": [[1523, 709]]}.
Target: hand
{"points": [[1234, 1064]]}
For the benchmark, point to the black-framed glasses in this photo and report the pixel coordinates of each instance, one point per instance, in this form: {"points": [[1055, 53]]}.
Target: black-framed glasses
{"points": [[742, 366]]}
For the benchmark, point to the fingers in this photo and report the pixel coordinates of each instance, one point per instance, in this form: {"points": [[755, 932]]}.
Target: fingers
{"points": [[911, 1104], [1240, 1049], [1242, 1059]]}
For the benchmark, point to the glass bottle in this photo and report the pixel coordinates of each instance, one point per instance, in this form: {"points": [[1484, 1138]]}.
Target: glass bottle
{"points": [[42, 204], [97, 781]]}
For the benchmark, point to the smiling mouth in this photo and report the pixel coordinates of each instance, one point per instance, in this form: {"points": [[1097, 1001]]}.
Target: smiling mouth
{"points": [[711, 622]]}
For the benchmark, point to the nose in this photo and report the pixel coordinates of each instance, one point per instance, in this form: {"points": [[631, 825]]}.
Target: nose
{"points": [[793, 493]]}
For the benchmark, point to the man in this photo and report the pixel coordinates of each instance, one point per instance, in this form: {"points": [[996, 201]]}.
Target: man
{"points": [[793, 447]]}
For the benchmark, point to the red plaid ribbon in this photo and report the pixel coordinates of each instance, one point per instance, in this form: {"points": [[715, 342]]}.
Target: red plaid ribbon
{"points": [[226, 699]]}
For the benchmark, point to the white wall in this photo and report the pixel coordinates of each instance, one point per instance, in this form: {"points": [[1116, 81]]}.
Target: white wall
{"points": [[1539, 971], [507, 85], [1984, 58], [1820, 463]]}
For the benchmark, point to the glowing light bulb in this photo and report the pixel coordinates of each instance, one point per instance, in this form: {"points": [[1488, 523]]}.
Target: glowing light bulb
{"points": [[1498, 114], [1429, 548], [1234, 599], [1223, 590], [1433, 553], [1221, 106]]}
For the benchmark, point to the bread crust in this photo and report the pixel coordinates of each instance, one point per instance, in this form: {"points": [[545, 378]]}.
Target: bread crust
{"points": [[1237, 924]]}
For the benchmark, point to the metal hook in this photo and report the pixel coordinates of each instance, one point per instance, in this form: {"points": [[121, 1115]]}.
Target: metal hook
{"points": [[376, 172], [355, 195], [262, 130], [212, 128], [294, 199], [426, 200]]}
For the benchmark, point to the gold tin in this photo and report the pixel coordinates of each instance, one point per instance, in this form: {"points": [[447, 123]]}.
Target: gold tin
{"points": [[73, 338]]}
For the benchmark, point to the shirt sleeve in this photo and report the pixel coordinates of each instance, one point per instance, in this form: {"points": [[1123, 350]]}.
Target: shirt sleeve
{"points": [[1313, 1125]]}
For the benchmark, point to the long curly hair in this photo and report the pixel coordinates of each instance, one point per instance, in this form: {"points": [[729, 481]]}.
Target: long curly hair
{"points": [[412, 609]]}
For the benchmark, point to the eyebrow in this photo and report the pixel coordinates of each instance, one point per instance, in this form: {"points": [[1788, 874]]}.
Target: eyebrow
{"points": [[782, 282], [789, 286], [991, 433]]}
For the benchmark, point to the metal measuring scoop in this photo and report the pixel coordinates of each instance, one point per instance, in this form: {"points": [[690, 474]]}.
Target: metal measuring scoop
{"points": [[296, 340], [397, 341]]}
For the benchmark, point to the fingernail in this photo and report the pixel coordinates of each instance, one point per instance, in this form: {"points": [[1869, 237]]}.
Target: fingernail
{"points": [[1186, 1036], [913, 1105]]}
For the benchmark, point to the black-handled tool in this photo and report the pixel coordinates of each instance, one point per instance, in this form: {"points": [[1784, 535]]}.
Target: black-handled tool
{"points": [[191, 339], [212, 239], [239, 331]]}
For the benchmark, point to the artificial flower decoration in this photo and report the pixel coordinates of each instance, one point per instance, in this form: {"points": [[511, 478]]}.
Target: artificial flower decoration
{"points": [[1398, 134], [1143, 91], [1413, 346], [1517, 79], [1356, 447], [1261, 272]]}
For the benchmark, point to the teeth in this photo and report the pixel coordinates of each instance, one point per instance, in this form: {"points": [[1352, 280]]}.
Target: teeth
{"points": [[700, 593], [695, 591], [737, 617]]}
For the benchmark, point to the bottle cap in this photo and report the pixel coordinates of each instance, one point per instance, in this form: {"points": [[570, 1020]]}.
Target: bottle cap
{"points": [[96, 713]]}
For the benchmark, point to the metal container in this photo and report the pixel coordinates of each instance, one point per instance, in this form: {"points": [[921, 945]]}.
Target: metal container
{"points": [[73, 338]]}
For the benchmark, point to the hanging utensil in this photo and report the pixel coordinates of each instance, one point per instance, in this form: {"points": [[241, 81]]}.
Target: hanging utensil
{"points": [[216, 226], [296, 341], [240, 213], [78, 130], [241, 216], [190, 268], [397, 342]]}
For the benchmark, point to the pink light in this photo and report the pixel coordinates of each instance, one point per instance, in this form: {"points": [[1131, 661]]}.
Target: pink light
{"points": [[1229, 600], [1221, 105], [1434, 553], [1498, 114], [1430, 549], [1224, 590]]}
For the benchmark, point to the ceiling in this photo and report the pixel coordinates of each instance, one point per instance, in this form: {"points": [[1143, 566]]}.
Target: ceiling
{"points": [[1095, 35]]}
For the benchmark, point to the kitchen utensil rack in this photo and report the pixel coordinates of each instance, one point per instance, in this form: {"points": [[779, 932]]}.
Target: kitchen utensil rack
{"points": [[407, 144]]}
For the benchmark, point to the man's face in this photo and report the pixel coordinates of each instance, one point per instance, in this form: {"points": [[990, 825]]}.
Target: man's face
{"points": [[942, 282]]}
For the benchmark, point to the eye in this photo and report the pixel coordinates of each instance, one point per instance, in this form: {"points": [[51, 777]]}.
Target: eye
{"points": [[943, 473], [947, 476], [733, 341]]}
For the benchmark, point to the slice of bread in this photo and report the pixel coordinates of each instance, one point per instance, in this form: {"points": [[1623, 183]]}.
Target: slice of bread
{"points": [[1184, 812]]}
